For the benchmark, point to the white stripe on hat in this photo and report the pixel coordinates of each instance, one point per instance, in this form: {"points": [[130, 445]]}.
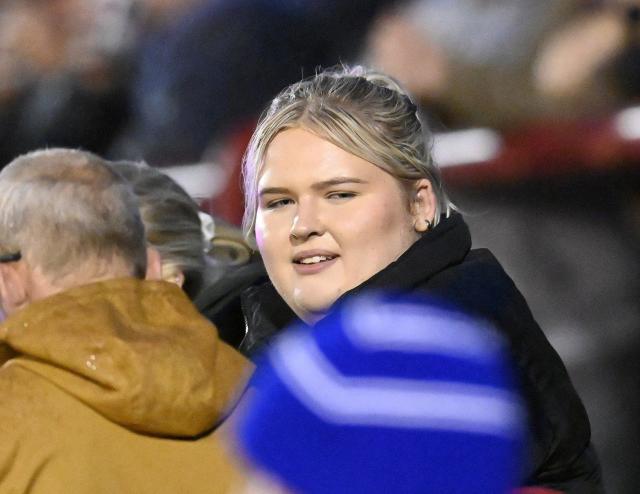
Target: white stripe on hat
{"points": [[391, 402], [373, 324]]}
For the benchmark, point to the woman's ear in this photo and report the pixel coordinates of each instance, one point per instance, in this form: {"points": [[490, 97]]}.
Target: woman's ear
{"points": [[423, 205], [154, 264], [157, 270], [174, 276]]}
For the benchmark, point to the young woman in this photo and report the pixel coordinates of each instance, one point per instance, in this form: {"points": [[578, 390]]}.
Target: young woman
{"points": [[343, 197]]}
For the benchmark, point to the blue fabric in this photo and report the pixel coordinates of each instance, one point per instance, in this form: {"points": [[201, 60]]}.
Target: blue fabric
{"points": [[312, 451]]}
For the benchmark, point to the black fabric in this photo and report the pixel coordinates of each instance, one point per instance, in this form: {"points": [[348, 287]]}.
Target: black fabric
{"points": [[443, 265], [221, 302], [266, 315]]}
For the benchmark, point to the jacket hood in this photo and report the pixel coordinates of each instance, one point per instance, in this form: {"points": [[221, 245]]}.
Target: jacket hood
{"points": [[137, 352]]}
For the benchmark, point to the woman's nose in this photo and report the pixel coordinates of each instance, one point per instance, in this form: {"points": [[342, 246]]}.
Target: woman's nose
{"points": [[306, 223]]}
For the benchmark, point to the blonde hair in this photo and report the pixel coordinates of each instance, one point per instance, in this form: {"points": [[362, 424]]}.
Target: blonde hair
{"points": [[67, 212], [171, 221], [363, 112]]}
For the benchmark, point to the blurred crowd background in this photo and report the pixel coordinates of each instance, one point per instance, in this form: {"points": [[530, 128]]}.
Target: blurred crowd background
{"points": [[533, 105]]}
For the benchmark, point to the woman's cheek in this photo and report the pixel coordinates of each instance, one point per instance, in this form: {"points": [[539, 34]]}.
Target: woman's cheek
{"points": [[259, 238], [260, 232], [271, 238]]}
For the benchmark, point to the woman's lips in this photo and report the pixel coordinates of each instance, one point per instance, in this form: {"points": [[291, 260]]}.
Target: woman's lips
{"points": [[315, 267]]}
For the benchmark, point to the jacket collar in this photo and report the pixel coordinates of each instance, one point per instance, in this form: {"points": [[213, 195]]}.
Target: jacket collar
{"points": [[445, 245]]}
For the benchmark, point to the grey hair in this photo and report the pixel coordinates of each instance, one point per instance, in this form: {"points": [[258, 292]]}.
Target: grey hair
{"points": [[365, 113], [171, 221], [68, 213]]}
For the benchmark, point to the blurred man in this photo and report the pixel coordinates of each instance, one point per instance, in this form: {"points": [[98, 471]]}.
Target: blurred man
{"points": [[110, 383]]}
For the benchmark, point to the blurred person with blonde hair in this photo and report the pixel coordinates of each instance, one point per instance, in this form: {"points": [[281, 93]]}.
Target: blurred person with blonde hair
{"points": [[205, 256], [173, 227]]}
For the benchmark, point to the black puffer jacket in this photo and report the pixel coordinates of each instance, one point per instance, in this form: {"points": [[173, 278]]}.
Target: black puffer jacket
{"points": [[442, 264]]}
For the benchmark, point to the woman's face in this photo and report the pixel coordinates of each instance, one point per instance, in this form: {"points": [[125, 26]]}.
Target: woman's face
{"points": [[327, 220]]}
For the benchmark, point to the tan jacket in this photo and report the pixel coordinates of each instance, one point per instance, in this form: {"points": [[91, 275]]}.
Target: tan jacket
{"points": [[114, 389]]}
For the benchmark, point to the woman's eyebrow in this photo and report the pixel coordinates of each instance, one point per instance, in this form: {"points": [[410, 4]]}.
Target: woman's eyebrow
{"points": [[272, 190], [324, 184], [332, 182]]}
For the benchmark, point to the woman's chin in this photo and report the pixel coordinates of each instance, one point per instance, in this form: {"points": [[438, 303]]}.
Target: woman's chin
{"points": [[312, 309]]}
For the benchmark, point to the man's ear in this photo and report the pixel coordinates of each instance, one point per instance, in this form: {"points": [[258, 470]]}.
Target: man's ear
{"points": [[423, 205], [154, 264], [14, 293]]}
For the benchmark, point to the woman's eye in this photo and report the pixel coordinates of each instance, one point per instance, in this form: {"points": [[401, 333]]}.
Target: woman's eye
{"points": [[341, 195], [278, 203]]}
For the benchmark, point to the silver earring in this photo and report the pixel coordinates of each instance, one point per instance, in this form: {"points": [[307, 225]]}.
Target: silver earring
{"points": [[429, 225]]}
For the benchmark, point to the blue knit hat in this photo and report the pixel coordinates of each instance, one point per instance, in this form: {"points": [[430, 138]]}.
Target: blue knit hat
{"points": [[387, 396]]}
